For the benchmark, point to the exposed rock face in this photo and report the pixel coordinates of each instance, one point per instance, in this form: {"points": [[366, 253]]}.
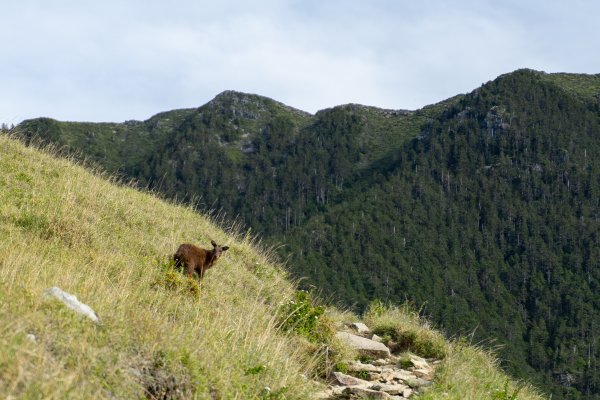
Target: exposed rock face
{"points": [[494, 121], [358, 366], [382, 378]]}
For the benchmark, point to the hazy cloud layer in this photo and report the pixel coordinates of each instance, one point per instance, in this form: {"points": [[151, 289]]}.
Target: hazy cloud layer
{"points": [[113, 60]]}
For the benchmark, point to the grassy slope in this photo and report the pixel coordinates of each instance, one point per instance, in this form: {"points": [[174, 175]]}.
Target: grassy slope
{"points": [[109, 245], [62, 226]]}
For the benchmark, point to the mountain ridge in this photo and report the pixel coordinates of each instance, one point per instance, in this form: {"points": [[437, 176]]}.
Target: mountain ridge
{"points": [[482, 204]]}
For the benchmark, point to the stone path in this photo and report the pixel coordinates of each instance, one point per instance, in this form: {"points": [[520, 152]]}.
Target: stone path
{"points": [[389, 376]]}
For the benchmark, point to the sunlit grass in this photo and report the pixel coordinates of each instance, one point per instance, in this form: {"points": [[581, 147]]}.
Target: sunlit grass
{"points": [[469, 372], [110, 245]]}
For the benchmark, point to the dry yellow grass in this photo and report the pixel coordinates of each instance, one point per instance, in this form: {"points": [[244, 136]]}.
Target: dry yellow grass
{"points": [[109, 245]]}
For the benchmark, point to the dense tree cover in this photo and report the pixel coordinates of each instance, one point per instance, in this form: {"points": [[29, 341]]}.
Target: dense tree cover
{"points": [[491, 218], [485, 209]]}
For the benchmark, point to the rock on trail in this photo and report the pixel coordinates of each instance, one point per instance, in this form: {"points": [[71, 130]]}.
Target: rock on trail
{"points": [[382, 378]]}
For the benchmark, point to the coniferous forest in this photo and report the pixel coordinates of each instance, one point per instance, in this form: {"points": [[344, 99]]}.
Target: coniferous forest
{"points": [[483, 210]]}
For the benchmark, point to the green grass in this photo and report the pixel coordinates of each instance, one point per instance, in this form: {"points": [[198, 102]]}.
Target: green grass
{"points": [[403, 327], [584, 85], [471, 373], [245, 332]]}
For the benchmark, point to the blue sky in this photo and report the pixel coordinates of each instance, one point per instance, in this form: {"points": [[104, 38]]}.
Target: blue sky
{"points": [[114, 60]]}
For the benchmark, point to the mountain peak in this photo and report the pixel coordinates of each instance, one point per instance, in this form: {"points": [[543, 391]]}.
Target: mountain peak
{"points": [[234, 94], [232, 99]]}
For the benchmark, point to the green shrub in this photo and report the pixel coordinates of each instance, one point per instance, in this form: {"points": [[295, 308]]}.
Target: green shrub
{"points": [[308, 321], [341, 367], [301, 317], [405, 362], [173, 280], [255, 370]]}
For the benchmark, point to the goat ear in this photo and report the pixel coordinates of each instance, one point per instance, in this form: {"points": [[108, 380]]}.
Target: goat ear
{"points": [[225, 248], [213, 243]]}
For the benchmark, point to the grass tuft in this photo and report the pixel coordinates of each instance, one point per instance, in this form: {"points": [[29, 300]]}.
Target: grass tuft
{"points": [[404, 330]]}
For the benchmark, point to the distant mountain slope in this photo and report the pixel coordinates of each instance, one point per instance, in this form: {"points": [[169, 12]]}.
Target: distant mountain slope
{"points": [[485, 206], [265, 163], [492, 219], [582, 85]]}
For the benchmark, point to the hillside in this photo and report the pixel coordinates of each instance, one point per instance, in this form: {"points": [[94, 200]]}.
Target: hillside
{"points": [[482, 209], [110, 245], [244, 333]]}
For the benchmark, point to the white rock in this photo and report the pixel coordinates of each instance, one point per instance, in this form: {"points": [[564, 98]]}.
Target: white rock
{"points": [[363, 393], [373, 376], [337, 390], [418, 362], [417, 383], [347, 380], [364, 346], [389, 389], [357, 366], [360, 327], [377, 338], [403, 375], [31, 337], [388, 374], [71, 301], [423, 373]]}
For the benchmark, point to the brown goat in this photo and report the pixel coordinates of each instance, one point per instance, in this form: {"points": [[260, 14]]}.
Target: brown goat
{"points": [[194, 259]]}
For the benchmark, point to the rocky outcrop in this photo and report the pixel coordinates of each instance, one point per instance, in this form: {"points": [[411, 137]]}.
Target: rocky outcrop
{"points": [[364, 346], [389, 376]]}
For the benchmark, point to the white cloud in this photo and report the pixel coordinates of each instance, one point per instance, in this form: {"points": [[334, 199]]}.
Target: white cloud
{"points": [[83, 60]]}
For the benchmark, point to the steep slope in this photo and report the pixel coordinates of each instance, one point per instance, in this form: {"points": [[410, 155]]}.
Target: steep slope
{"points": [[484, 207], [110, 246], [243, 333]]}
